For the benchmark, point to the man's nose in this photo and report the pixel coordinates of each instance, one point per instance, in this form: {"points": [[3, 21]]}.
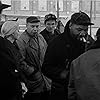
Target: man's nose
{"points": [[83, 33], [35, 28]]}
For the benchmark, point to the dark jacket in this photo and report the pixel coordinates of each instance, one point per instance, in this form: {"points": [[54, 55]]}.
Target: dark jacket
{"points": [[95, 45], [9, 82], [48, 36], [61, 49], [84, 81]]}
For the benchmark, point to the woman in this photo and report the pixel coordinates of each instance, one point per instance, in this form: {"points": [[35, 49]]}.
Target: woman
{"points": [[12, 62]]}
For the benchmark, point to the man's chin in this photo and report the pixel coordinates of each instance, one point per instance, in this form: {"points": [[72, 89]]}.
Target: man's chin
{"points": [[50, 30]]}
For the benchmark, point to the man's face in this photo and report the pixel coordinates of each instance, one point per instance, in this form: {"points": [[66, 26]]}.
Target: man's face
{"points": [[50, 25], [33, 28], [78, 31]]}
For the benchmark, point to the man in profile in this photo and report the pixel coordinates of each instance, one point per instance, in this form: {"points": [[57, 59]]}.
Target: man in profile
{"points": [[33, 46], [62, 50], [84, 80]]}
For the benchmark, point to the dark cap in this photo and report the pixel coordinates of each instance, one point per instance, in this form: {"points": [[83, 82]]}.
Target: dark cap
{"points": [[32, 19], [3, 6], [50, 17], [81, 18]]}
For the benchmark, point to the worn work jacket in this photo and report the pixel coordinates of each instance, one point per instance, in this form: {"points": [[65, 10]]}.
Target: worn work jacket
{"points": [[33, 50]]}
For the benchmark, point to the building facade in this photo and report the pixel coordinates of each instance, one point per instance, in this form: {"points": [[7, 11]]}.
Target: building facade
{"points": [[42, 7], [24, 8]]}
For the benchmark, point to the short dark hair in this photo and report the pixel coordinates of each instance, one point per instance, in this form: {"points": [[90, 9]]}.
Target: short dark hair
{"points": [[32, 19], [49, 17]]}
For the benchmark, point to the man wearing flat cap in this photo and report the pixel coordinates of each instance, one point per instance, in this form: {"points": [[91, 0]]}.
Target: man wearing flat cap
{"points": [[62, 50], [50, 31], [33, 46]]}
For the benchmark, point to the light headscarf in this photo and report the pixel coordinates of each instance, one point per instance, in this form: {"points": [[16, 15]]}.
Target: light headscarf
{"points": [[8, 28]]}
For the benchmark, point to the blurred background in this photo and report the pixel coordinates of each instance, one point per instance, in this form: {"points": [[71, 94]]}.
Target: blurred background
{"points": [[63, 9]]}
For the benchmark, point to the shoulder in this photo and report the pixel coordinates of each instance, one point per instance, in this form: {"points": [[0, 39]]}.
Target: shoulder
{"points": [[43, 32], [41, 37], [58, 42], [88, 58], [60, 39], [1, 39], [23, 38], [57, 32], [2, 42]]}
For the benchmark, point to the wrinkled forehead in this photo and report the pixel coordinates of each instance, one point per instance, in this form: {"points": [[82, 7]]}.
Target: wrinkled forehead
{"points": [[34, 24]]}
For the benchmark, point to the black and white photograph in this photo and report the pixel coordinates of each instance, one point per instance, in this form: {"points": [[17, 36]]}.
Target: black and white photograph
{"points": [[50, 49]]}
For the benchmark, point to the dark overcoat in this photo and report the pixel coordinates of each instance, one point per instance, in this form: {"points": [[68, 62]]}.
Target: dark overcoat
{"points": [[9, 60], [61, 50]]}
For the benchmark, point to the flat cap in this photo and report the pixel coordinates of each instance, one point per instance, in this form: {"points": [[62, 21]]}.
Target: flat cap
{"points": [[81, 18], [32, 19]]}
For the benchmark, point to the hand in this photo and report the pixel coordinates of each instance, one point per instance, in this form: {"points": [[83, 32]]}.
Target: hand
{"points": [[29, 70], [26, 68]]}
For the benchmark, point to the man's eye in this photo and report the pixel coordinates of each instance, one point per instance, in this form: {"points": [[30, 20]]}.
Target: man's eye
{"points": [[37, 26], [53, 23], [48, 24], [32, 26]]}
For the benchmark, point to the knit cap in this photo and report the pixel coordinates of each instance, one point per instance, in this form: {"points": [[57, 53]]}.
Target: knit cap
{"points": [[9, 27]]}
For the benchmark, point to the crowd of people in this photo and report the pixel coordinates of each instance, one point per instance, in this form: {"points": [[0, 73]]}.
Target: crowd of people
{"points": [[57, 63]]}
